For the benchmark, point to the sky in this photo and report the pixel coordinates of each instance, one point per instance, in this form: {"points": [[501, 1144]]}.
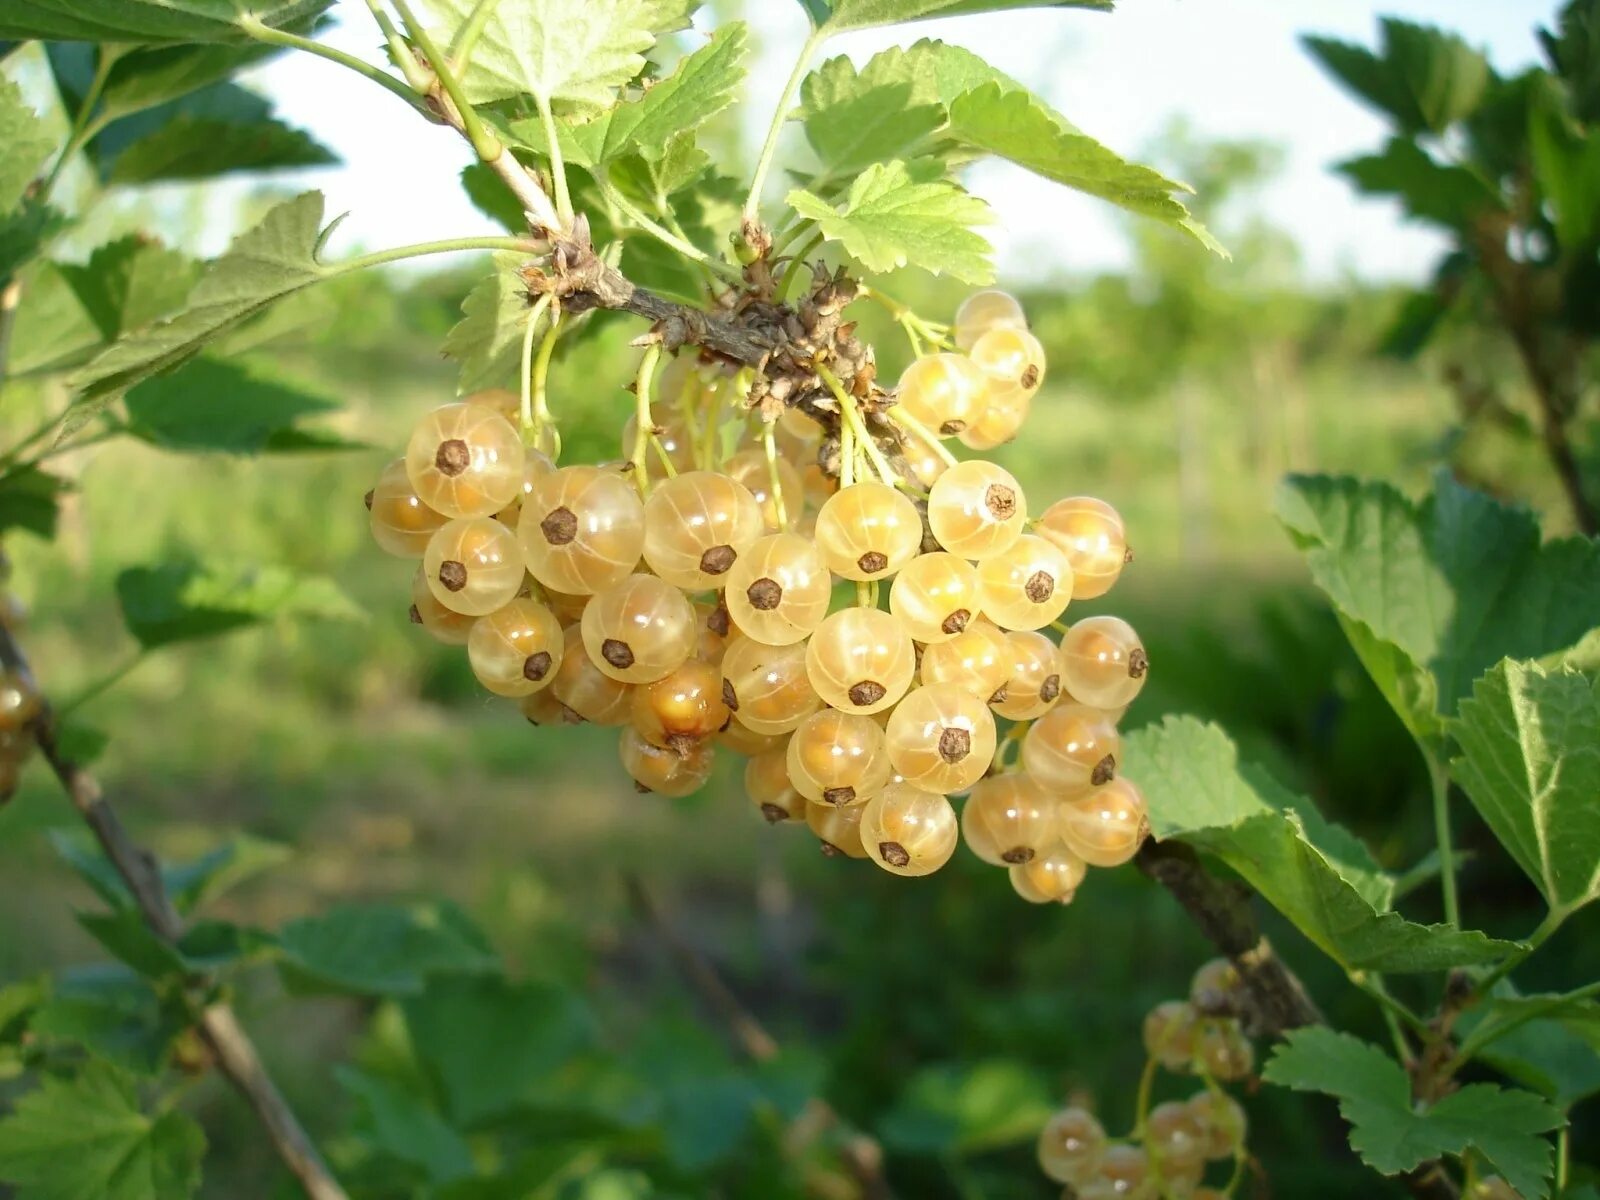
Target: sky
{"points": [[1229, 68]]}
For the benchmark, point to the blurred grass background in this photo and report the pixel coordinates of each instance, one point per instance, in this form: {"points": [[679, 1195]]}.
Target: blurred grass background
{"points": [[1181, 391]]}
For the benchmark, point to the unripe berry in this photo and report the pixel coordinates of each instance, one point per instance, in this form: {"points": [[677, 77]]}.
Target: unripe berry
{"points": [[465, 460], [586, 690], [1223, 1052], [1027, 586], [1215, 986], [838, 758], [639, 631], [768, 688], [983, 311], [976, 509], [1013, 362], [1103, 662], [696, 526], [909, 832], [1089, 532], [861, 660], [1034, 685], [1170, 1032], [1071, 748], [839, 829], [868, 531], [943, 392], [767, 784], [665, 772], [1105, 825], [1000, 423], [1123, 1174], [978, 660], [683, 709], [941, 738], [1174, 1137], [516, 650], [1071, 1145], [581, 529], [1223, 1121], [1008, 820], [441, 623], [474, 565], [935, 596], [20, 702], [778, 591], [401, 523], [1053, 875], [752, 470]]}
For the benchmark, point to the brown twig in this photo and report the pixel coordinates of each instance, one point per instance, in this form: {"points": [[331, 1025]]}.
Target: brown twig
{"points": [[217, 1025], [861, 1154], [1278, 1000]]}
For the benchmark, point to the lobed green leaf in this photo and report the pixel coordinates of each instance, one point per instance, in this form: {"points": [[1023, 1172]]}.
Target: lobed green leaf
{"points": [[225, 406], [151, 21], [381, 949], [182, 602], [837, 16], [1424, 78], [1448, 195], [487, 341], [27, 146]]}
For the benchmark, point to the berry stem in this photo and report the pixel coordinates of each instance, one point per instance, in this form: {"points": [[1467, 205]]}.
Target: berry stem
{"points": [[798, 264], [537, 312], [853, 421], [558, 166], [644, 422], [667, 238], [769, 444], [780, 115], [923, 434], [1141, 1103], [541, 373]]}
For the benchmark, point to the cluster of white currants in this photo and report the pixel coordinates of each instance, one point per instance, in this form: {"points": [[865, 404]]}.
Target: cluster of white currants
{"points": [[735, 604], [1172, 1143]]}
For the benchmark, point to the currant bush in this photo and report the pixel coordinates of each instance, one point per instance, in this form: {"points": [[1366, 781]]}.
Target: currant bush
{"points": [[827, 591]]}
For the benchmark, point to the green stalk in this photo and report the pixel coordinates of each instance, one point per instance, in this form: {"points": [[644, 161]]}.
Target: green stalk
{"points": [[558, 166], [643, 420], [1439, 777], [667, 238], [484, 143], [263, 32], [418, 249], [769, 149]]}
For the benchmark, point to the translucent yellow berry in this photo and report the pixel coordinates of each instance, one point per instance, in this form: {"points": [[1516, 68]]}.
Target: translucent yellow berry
{"points": [[945, 393], [935, 596], [663, 771], [441, 623], [976, 509], [1008, 820], [1071, 1145], [639, 631], [1034, 685], [1170, 1031], [1090, 532], [1072, 748], [682, 709], [1103, 662], [581, 529], [752, 469], [941, 738], [1053, 874], [838, 829], [868, 531], [768, 688], [1222, 1121], [861, 660], [474, 565], [907, 831], [696, 527], [778, 591], [978, 659], [767, 784], [465, 460], [838, 758], [587, 691], [1012, 360], [983, 311], [1002, 420], [1105, 825], [516, 650], [1027, 586], [401, 523]]}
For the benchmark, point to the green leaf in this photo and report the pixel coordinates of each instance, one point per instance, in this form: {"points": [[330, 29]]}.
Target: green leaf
{"points": [[854, 120], [487, 341], [181, 602], [572, 52], [967, 1109], [205, 947], [1316, 875], [1433, 594], [842, 15], [490, 1041], [216, 131], [1530, 762], [1448, 195], [87, 1136], [153, 21], [1573, 49], [1392, 1135], [381, 949], [27, 145], [892, 219], [113, 1013], [30, 500], [190, 884], [275, 259], [24, 231], [402, 1126], [1424, 78], [704, 84], [1558, 1059], [128, 283], [142, 77], [1566, 164], [211, 404]]}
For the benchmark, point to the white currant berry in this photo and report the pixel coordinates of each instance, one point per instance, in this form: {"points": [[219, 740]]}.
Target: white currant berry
{"points": [[586, 690], [778, 591], [1170, 1031], [1034, 685], [544, 708], [1103, 662], [1053, 875], [752, 469], [741, 739], [976, 509], [941, 738], [768, 688], [978, 660], [983, 311], [838, 758], [1223, 1122], [837, 828], [1027, 586], [1173, 1137], [663, 771], [1090, 533], [441, 623], [1123, 1173], [1223, 1052], [1000, 423], [935, 596], [696, 527], [945, 393], [682, 709], [639, 631], [907, 831], [1072, 748], [465, 460], [401, 523], [1071, 1145], [1215, 985], [516, 650], [1008, 820], [861, 660], [1105, 825], [581, 529], [767, 784], [868, 531], [474, 565], [1012, 360]]}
